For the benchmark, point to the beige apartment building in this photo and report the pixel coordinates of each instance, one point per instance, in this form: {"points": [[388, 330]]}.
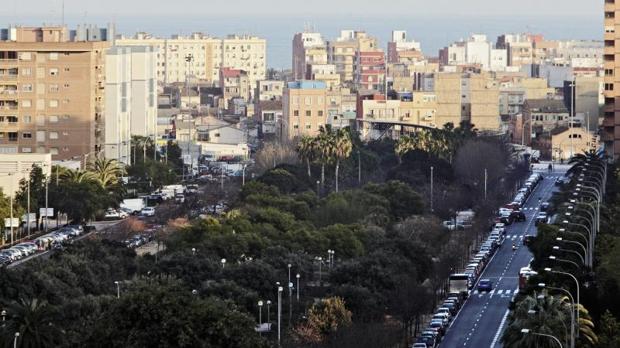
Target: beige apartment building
{"points": [[209, 54], [304, 105], [51, 92], [610, 132], [342, 52]]}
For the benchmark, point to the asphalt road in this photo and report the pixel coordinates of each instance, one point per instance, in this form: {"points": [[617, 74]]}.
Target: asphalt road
{"points": [[482, 319]]}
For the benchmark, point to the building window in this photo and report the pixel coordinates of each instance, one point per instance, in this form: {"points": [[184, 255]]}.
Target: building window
{"points": [[53, 119], [25, 56], [53, 71], [53, 135], [26, 103], [54, 150], [26, 135], [53, 103], [12, 136], [26, 71], [27, 119], [26, 149], [295, 112], [53, 55], [27, 87], [308, 100], [308, 113], [40, 136], [53, 88], [320, 113], [609, 86], [308, 126]]}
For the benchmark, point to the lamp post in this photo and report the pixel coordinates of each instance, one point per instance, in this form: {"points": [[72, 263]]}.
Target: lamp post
{"points": [[193, 251], [590, 237], [15, 340], [572, 312], [320, 261], [223, 261], [583, 247], [527, 331], [118, 289], [557, 248], [297, 276], [432, 187], [576, 287], [330, 259], [280, 289], [268, 310], [553, 258], [289, 271], [260, 313], [290, 302], [318, 188]]}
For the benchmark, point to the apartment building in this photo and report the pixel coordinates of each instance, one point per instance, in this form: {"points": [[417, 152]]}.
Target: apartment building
{"points": [[343, 52], [52, 91], [400, 47], [304, 108], [302, 43], [610, 132], [419, 110], [370, 70], [234, 83], [209, 54], [130, 99]]}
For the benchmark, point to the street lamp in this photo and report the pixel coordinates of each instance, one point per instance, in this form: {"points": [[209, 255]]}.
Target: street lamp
{"points": [[320, 261], [553, 258], [557, 248], [15, 340], [118, 289], [260, 313], [527, 331], [194, 251], [572, 312], [223, 261], [330, 254], [280, 289], [268, 310], [318, 188], [290, 302], [576, 287], [289, 272], [297, 276], [585, 251]]}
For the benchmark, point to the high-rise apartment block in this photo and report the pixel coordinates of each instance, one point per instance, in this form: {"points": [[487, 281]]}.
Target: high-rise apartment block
{"points": [[130, 99], [304, 108], [209, 54], [52, 83], [610, 132], [308, 48]]}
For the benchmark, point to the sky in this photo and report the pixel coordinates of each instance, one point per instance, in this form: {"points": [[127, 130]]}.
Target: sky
{"points": [[303, 7]]}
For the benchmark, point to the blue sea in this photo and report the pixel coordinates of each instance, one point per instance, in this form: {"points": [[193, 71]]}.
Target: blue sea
{"points": [[434, 32]]}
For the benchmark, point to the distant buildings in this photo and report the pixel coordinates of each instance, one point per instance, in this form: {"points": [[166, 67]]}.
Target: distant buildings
{"points": [[209, 54]]}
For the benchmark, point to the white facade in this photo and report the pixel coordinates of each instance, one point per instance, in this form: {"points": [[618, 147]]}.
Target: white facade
{"points": [[16, 167], [499, 59], [478, 51], [130, 97], [457, 54], [209, 54], [399, 37]]}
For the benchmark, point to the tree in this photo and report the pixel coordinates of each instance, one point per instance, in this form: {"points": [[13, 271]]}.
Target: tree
{"points": [[324, 319], [35, 321], [80, 200], [342, 147], [608, 331], [307, 151], [106, 171], [37, 190]]}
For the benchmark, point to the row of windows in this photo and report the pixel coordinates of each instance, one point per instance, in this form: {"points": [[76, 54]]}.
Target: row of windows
{"points": [[308, 126], [548, 117], [40, 103], [40, 120], [308, 113]]}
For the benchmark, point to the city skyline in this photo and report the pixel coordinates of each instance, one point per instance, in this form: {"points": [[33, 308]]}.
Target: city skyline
{"points": [[279, 7]]}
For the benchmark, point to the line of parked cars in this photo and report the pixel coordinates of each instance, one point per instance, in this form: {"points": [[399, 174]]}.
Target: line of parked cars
{"points": [[52, 240], [138, 240], [431, 336]]}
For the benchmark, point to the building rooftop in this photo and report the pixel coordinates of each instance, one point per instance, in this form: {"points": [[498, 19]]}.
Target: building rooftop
{"points": [[307, 84], [546, 105]]}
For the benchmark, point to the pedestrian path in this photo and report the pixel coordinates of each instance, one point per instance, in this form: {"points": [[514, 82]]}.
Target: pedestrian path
{"points": [[495, 292]]}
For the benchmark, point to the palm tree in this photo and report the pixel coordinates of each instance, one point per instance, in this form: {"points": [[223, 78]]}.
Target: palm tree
{"points": [[324, 148], [34, 320], [306, 147], [549, 315], [77, 176], [342, 147], [106, 171], [403, 145]]}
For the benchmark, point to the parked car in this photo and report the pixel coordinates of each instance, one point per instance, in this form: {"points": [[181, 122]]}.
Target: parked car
{"points": [[518, 216], [544, 206], [541, 218], [451, 226], [115, 214]]}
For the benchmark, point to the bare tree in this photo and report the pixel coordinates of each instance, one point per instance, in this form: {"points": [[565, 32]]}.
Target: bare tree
{"points": [[274, 153]]}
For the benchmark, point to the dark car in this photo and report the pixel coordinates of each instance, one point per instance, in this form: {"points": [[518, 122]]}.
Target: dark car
{"points": [[544, 206], [560, 182], [541, 218], [518, 216], [506, 220], [485, 285]]}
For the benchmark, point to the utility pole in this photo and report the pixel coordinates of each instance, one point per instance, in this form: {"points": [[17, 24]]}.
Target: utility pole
{"points": [[11, 206], [359, 167], [47, 182], [28, 200], [189, 58], [279, 313], [486, 178], [432, 184]]}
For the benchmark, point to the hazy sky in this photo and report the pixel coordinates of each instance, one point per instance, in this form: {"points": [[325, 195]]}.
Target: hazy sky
{"points": [[21, 8]]}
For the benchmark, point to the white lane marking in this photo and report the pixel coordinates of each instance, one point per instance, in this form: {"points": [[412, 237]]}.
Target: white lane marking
{"points": [[500, 329]]}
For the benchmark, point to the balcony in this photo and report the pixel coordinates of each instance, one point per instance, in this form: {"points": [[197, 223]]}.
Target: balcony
{"points": [[608, 122], [610, 6]]}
